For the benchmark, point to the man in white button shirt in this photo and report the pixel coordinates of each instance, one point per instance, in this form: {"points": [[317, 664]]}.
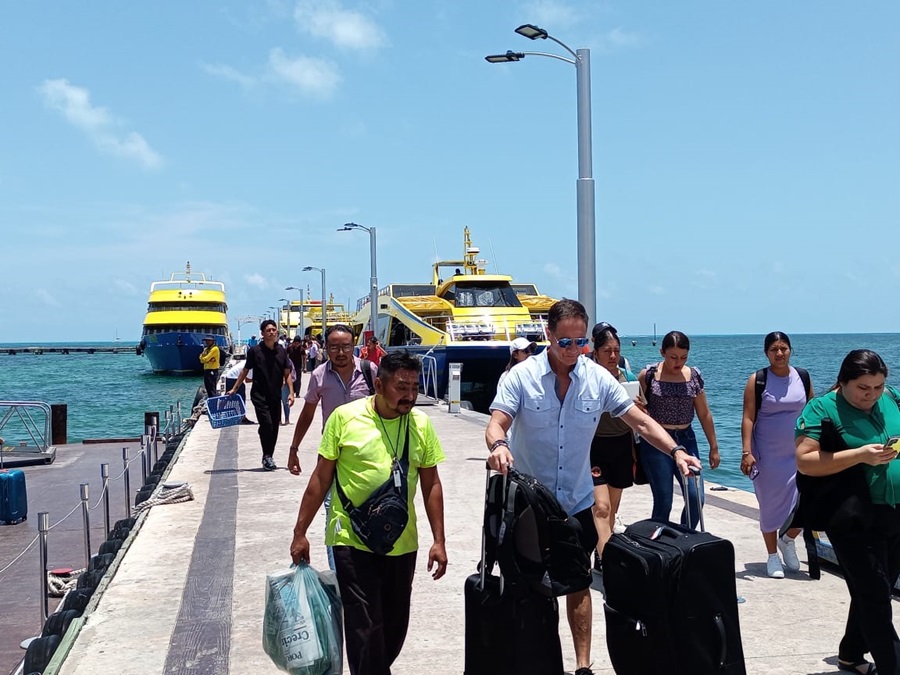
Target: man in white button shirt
{"points": [[551, 404]]}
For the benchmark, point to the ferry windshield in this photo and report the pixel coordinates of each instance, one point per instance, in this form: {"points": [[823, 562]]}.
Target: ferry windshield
{"points": [[483, 294]]}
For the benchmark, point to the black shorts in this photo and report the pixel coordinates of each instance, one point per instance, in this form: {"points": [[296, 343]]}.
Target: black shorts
{"points": [[589, 536], [612, 460]]}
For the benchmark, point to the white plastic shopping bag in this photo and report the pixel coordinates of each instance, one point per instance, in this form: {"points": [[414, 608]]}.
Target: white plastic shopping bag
{"points": [[302, 628]]}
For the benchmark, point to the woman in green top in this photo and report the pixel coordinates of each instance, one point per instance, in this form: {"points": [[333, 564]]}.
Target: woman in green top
{"points": [[865, 414]]}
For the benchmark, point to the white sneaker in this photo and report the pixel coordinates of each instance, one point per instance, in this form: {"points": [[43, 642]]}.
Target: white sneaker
{"points": [[774, 568], [619, 526], [789, 553]]}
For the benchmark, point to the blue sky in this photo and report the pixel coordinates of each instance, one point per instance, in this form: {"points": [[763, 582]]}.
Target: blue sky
{"points": [[746, 156]]}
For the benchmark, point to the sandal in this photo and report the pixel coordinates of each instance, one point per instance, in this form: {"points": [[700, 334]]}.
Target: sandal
{"points": [[855, 667]]}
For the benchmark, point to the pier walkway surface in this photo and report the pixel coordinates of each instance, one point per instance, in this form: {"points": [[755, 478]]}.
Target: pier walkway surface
{"points": [[188, 595]]}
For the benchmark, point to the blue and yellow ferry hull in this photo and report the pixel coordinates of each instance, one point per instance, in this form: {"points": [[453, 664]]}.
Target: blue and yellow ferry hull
{"points": [[177, 352]]}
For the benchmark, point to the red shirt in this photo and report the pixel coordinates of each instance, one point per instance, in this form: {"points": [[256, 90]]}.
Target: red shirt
{"points": [[373, 355]]}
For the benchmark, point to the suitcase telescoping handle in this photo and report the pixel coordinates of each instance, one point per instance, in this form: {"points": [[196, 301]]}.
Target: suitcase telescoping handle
{"points": [[695, 474]]}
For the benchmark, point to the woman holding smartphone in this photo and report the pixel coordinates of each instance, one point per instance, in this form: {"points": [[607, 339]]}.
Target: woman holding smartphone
{"points": [[773, 399], [843, 435]]}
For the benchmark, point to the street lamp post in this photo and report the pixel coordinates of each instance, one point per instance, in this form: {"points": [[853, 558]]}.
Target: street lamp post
{"points": [[287, 316], [373, 272], [299, 320], [324, 302], [584, 187], [271, 314]]}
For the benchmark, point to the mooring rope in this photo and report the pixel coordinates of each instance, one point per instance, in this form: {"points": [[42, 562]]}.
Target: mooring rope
{"points": [[167, 494]]}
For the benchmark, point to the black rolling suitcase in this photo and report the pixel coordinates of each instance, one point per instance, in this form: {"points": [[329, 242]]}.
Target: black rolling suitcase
{"points": [[510, 629], [671, 601]]}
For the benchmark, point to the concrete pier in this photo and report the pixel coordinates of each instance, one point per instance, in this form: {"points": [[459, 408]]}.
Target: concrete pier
{"points": [[188, 595]]}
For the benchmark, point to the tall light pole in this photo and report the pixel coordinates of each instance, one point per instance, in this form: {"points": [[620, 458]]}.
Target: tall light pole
{"points": [[584, 187], [324, 301], [272, 309], [287, 315], [300, 320], [373, 272]]}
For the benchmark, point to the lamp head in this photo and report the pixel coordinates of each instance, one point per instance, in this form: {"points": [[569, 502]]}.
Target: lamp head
{"points": [[308, 269], [532, 32], [509, 57]]}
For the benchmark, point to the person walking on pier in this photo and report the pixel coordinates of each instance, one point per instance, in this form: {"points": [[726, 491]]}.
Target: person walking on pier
{"points": [[551, 405], [359, 453], [675, 393], [271, 370], [337, 381], [846, 436], [209, 357], [773, 400]]}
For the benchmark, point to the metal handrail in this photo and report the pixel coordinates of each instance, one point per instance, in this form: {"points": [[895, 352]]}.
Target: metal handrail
{"points": [[429, 375], [23, 411]]}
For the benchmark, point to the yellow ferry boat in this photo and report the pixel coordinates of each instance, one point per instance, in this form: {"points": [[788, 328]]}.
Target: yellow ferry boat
{"points": [[181, 311]]}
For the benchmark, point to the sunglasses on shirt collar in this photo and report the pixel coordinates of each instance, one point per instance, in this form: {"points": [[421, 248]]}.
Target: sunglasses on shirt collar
{"points": [[565, 343]]}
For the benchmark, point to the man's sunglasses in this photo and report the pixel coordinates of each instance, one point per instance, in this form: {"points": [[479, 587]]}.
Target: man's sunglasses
{"points": [[565, 343]]}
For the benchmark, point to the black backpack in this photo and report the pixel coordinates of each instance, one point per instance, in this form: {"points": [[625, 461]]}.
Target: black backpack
{"points": [[533, 539], [367, 367], [762, 375]]}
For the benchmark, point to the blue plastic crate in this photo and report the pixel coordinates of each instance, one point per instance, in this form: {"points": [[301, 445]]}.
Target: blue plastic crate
{"points": [[225, 411]]}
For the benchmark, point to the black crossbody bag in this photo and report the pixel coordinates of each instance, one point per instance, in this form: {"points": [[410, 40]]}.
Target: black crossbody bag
{"points": [[380, 520]]}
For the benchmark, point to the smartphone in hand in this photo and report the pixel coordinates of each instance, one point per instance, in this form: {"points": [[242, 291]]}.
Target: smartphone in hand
{"points": [[893, 443], [754, 471]]}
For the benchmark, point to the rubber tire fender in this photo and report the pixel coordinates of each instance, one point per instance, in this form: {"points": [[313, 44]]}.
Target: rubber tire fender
{"points": [[39, 653], [77, 599], [58, 622], [110, 546], [101, 562]]}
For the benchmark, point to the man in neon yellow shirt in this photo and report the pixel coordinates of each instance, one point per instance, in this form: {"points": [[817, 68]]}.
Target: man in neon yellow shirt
{"points": [[360, 444]]}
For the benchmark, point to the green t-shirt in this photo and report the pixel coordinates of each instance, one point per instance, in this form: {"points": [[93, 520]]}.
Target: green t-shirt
{"points": [[859, 428], [364, 444]]}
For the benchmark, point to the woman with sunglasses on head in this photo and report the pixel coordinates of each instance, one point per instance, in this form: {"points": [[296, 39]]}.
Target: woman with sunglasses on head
{"points": [[674, 393], [612, 450], [519, 350], [773, 399]]}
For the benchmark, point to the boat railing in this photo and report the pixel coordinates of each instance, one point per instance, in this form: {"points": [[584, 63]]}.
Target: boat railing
{"points": [[34, 418], [428, 376], [470, 330], [532, 331]]}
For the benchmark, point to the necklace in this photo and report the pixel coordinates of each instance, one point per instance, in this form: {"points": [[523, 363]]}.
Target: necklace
{"points": [[394, 447]]}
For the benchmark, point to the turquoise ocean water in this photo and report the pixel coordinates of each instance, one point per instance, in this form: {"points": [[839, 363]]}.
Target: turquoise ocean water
{"points": [[107, 394]]}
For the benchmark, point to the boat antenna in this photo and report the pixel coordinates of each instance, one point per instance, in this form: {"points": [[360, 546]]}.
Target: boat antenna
{"points": [[494, 255]]}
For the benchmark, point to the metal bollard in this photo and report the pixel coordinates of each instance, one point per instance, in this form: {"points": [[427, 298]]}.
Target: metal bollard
{"points": [[104, 474], [180, 418], [127, 483], [43, 529], [155, 448], [145, 453], [86, 517]]}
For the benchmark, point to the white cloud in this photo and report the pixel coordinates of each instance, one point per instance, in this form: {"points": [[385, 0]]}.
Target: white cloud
{"points": [[45, 297], [551, 14], [620, 38], [228, 73], [100, 126], [317, 77], [127, 287], [344, 28], [656, 290], [256, 280]]}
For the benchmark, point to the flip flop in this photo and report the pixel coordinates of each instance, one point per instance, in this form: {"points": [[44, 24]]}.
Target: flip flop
{"points": [[846, 666]]}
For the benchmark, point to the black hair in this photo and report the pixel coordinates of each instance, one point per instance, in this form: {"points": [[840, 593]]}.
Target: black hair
{"points": [[393, 361], [601, 337], [675, 338], [776, 336], [860, 362], [338, 328], [266, 322], [565, 309]]}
